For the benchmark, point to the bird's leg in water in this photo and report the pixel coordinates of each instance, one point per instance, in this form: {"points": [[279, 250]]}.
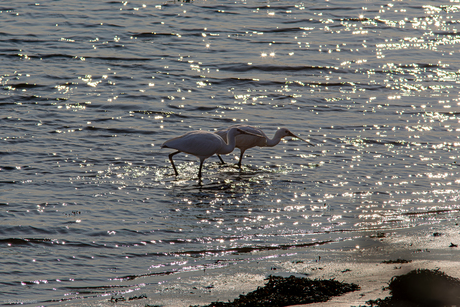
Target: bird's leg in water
{"points": [[172, 162], [241, 158], [201, 166], [220, 158]]}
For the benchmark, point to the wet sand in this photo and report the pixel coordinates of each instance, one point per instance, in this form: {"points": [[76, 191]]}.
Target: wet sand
{"points": [[373, 278], [433, 249], [371, 268]]}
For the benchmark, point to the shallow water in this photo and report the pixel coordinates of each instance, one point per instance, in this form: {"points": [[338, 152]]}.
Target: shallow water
{"points": [[89, 202]]}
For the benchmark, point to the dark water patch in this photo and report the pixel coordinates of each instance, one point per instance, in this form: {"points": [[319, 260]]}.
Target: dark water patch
{"points": [[7, 100], [31, 230], [32, 99], [247, 82], [430, 212], [154, 34], [237, 67], [6, 52], [279, 30], [133, 277], [200, 108], [162, 113], [215, 8], [25, 85], [98, 289], [120, 59], [303, 22], [8, 168], [451, 35], [334, 8], [14, 242], [114, 25], [9, 182], [46, 56], [245, 250], [359, 19], [124, 131]]}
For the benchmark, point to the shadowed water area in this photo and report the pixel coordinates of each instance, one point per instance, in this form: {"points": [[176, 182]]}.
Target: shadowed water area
{"points": [[89, 204]]}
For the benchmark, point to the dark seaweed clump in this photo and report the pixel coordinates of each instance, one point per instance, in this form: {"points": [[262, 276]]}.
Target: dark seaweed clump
{"points": [[282, 291], [421, 288]]}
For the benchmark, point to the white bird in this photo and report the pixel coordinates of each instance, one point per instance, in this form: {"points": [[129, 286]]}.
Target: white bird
{"points": [[204, 144], [244, 142]]}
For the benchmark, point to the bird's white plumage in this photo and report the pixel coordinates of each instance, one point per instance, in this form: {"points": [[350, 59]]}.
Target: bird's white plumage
{"points": [[198, 143], [203, 144], [246, 141]]}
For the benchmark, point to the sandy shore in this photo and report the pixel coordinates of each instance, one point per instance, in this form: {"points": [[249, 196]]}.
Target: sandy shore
{"points": [[373, 278], [435, 248], [429, 248]]}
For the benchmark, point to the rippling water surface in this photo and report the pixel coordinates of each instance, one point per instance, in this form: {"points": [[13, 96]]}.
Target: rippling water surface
{"points": [[89, 202]]}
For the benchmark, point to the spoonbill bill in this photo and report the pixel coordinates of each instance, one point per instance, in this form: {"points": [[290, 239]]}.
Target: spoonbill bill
{"points": [[204, 144], [246, 141]]}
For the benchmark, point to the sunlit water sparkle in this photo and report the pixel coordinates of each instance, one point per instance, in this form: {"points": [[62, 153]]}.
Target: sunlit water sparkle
{"points": [[89, 203]]}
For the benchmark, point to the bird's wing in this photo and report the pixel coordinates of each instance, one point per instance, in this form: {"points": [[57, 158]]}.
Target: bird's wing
{"points": [[251, 129], [197, 143], [245, 141]]}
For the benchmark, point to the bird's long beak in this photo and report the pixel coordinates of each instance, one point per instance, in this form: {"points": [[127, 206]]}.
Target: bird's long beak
{"points": [[245, 132], [293, 135]]}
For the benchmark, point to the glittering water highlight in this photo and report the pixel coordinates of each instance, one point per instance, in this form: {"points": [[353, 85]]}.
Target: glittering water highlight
{"points": [[90, 206]]}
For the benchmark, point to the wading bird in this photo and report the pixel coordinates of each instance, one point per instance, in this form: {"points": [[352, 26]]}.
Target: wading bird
{"points": [[204, 144], [244, 142]]}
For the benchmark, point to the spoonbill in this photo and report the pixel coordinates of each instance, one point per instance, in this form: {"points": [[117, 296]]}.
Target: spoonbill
{"points": [[244, 142], [204, 144]]}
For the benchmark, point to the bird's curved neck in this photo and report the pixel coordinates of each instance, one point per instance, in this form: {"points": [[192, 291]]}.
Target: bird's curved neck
{"points": [[276, 139], [231, 142]]}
